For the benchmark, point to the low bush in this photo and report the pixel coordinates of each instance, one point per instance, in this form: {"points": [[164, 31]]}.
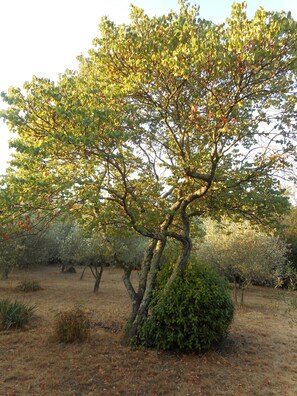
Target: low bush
{"points": [[14, 315], [288, 280], [193, 314], [28, 285], [73, 325]]}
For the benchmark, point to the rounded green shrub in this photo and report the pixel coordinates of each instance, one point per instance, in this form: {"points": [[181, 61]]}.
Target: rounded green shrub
{"points": [[14, 314], [193, 314], [72, 325]]}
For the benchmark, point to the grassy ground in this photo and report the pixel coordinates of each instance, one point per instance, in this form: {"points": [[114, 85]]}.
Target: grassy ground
{"points": [[260, 357]]}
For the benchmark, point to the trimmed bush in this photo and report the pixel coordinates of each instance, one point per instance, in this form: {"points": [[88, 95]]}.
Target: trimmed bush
{"points": [[73, 325], [194, 314], [28, 285], [14, 315]]}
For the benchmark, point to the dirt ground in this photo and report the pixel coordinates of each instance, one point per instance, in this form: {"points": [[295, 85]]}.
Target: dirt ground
{"points": [[259, 358]]}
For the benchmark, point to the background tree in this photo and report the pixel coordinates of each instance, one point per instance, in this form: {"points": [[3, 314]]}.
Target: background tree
{"points": [[7, 259], [243, 253], [26, 244], [167, 118], [290, 233]]}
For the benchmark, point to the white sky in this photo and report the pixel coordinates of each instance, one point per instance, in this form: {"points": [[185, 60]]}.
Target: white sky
{"points": [[43, 37]]}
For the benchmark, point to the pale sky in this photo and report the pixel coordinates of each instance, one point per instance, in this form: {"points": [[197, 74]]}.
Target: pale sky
{"points": [[43, 37]]}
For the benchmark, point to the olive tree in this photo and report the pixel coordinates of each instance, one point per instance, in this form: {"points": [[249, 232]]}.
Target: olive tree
{"points": [[243, 253]]}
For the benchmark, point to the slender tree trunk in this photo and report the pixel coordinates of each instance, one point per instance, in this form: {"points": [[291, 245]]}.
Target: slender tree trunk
{"points": [[130, 289], [98, 278], [145, 268], [139, 315], [241, 297], [151, 267], [97, 275], [235, 289], [82, 274], [182, 261], [186, 243], [136, 297], [185, 254]]}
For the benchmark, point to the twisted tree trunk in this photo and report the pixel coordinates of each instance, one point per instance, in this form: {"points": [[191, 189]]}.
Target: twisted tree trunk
{"points": [[147, 280]]}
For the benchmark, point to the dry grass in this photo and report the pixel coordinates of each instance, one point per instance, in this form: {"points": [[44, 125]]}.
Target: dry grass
{"points": [[259, 358]]}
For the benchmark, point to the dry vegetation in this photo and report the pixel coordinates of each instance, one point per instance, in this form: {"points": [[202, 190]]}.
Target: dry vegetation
{"points": [[258, 359]]}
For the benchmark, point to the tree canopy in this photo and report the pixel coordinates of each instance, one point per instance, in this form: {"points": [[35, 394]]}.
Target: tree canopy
{"points": [[166, 119], [243, 253]]}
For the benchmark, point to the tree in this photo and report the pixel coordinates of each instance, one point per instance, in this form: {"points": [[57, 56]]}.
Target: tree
{"points": [[168, 118], [85, 247], [25, 243], [243, 253], [7, 260], [290, 234]]}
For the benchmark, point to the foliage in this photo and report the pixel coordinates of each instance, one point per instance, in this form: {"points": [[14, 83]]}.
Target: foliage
{"points": [[71, 326], [28, 285], [290, 300], [288, 279], [193, 313], [23, 243], [7, 259], [88, 247], [243, 253], [167, 118], [290, 234], [14, 315]]}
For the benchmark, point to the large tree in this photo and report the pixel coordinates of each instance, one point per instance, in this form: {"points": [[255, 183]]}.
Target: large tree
{"points": [[168, 118]]}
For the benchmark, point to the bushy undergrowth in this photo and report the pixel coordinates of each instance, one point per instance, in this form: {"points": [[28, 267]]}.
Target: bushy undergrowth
{"points": [[14, 314], [28, 285], [194, 313], [73, 325]]}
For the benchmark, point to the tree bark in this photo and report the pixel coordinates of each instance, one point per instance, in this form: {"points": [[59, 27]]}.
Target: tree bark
{"points": [[186, 243], [146, 289], [98, 278], [241, 297], [235, 289], [182, 261], [82, 274]]}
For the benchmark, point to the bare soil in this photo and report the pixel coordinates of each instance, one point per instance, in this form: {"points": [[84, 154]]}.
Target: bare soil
{"points": [[259, 358]]}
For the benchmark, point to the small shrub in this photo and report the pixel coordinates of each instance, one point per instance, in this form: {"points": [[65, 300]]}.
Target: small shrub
{"points": [[73, 325], [28, 286], [287, 280], [194, 313], [14, 315]]}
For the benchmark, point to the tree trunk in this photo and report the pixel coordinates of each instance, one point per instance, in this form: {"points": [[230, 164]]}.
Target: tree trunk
{"points": [[147, 284], [82, 274], [98, 278], [186, 242], [136, 297], [241, 297], [235, 290], [182, 261], [150, 268]]}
